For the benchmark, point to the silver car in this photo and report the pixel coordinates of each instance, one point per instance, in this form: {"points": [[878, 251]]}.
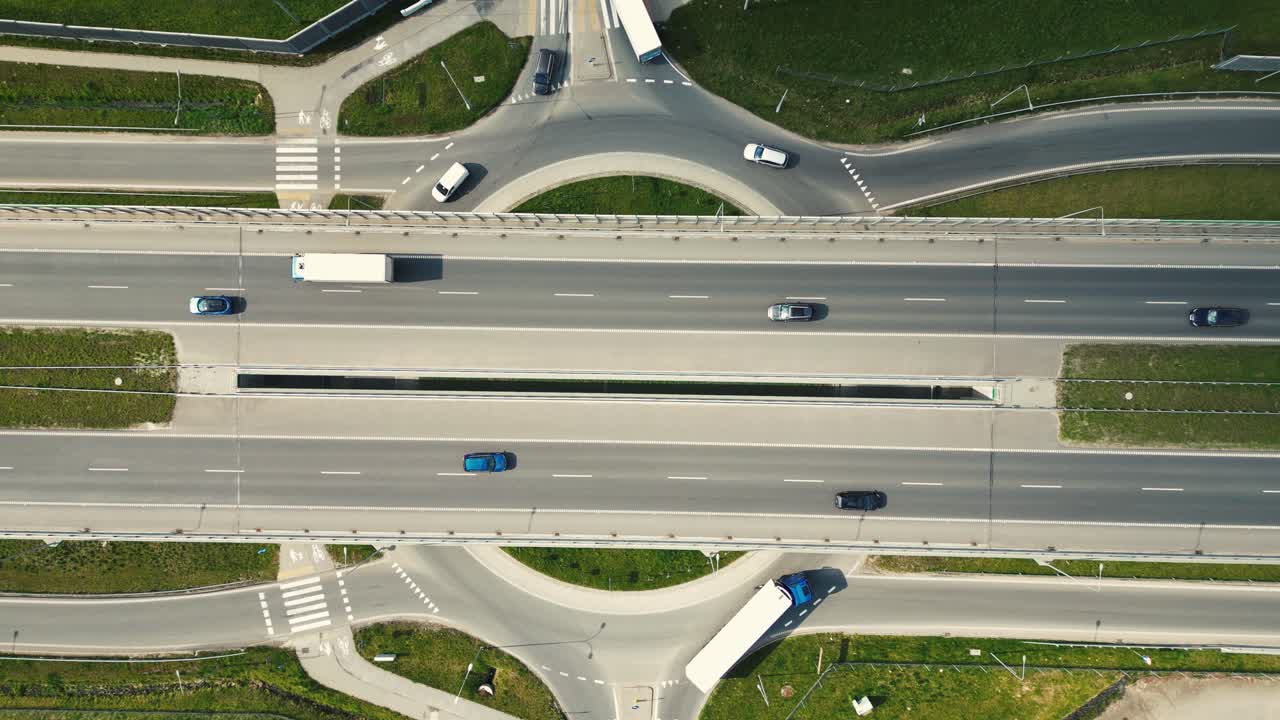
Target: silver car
{"points": [[791, 312], [765, 155]]}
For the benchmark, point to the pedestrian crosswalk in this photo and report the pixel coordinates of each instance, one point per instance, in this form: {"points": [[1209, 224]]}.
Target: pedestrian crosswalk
{"points": [[305, 606], [297, 164], [553, 16]]}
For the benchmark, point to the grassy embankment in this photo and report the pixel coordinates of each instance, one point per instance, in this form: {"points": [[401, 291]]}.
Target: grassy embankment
{"points": [[272, 19], [62, 95], [418, 97], [438, 657], [1187, 365], [109, 197], [1081, 568], [1200, 193], [737, 53], [627, 195], [86, 350], [263, 682], [607, 569], [935, 689], [342, 201], [90, 566]]}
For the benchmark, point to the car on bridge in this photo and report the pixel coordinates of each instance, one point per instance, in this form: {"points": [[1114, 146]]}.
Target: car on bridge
{"points": [[791, 312], [765, 155], [212, 305], [486, 462], [1216, 317], [865, 500]]}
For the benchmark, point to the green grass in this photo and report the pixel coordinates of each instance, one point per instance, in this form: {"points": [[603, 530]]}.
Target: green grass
{"points": [[418, 97], [627, 195], [368, 28], [50, 347], [32, 94], [244, 18], [608, 569], [263, 681], [735, 54], [121, 567], [1081, 568], [346, 555], [438, 657], [1187, 363], [937, 692], [105, 197], [357, 202], [1202, 193]]}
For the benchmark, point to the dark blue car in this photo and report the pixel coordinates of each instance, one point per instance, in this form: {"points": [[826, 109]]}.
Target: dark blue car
{"points": [[488, 462], [212, 305]]}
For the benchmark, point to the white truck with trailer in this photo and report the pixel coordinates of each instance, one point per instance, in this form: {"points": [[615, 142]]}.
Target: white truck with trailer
{"points": [[344, 267]]}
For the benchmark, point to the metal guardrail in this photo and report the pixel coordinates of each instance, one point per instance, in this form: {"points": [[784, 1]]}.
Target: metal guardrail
{"points": [[791, 224], [1251, 63], [300, 42]]}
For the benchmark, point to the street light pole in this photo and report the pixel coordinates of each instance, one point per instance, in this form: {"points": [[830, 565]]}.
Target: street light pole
{"points": [[464, 683], [455, 84]]}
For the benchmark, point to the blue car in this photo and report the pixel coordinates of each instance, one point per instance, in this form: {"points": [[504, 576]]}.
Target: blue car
{"points": [[212, 305], [489, 462]]}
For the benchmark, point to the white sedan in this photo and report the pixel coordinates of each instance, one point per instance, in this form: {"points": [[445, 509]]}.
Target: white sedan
{"points": [[765, 155]]}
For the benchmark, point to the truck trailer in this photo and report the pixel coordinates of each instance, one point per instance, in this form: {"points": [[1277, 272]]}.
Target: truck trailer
{"points": [[638, 25], [744, 629], [343, 267]]}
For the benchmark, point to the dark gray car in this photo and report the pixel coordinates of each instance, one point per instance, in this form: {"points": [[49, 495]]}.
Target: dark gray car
{"points": [[544, 73], [865, 500]]}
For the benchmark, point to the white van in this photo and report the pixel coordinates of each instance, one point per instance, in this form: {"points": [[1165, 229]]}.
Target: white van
{"points": [[453, 179]]}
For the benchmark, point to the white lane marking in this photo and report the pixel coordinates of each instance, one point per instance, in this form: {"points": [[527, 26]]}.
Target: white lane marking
{"points": [[563, 673], [208, 470], [598, 682], [1269, 492], [433, 157], [583, 679], [689, 297], [457, 292], [108, 287], [298, 141], [1162, 489], [304, 609], [339, 472], [288, 163], [631, 80], [453, 474], [299, 583], [308, 591], [1043, 487], [296, 151], [1055, 302], [6, 467], [291, 168], [802, 480], [575, 294], [924, 299], [420, 167], [649, 80], [6, 284], [305, 618], [1273, 304], [342, 291], [805, 298], [296, 186], [570, 476], [96, 469], [1166, 302], [224, 289], [446, 147], [406, 180], [926, 484], [686, 477]]}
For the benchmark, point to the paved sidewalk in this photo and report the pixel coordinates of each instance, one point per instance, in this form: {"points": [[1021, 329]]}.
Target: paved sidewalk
{"points": [[299, 559], [746, 570], [331, 660]]}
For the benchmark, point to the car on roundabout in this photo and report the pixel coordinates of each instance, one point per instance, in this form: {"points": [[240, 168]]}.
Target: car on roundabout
{"points": [[765, 155]]}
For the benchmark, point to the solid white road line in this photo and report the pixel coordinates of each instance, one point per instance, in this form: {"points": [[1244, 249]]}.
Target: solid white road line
{"points": [[208, 470], [686, 477], [925, 299], [342, 291], [689, 297], [339, 472], [93, 469], [1044, 487], [575, 294], [457, 292], [108, 287], [1162, 489], [802, 480], [927, 484], [570, 476], [1056, 302], [299, 583], [1166, 302]]}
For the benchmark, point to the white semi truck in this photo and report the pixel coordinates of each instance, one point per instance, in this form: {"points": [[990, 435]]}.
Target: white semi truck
{"points": [[343, 267], [744, 629]]}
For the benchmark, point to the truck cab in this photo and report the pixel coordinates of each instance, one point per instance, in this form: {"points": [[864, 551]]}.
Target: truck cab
{"points": [[797, 588]]}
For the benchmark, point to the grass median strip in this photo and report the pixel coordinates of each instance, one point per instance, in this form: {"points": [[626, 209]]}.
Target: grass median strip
{"points": [[446, 88], [608, 569], [439, 657], [938, 678], [58, 96], [111, 197], [76, 567], [627, 195], [1188, 369], [263, 681], [1204, 193], [272, 19], [1083, 569], [746, 55], [356, 202], [90, 360]]}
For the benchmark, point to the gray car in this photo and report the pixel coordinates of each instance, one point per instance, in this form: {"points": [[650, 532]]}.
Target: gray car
{"points": [[791, 312]]}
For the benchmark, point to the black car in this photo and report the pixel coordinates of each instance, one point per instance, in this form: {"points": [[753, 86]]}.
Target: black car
{"points": [[865, 500], [1218, 317], [545, 72]]}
